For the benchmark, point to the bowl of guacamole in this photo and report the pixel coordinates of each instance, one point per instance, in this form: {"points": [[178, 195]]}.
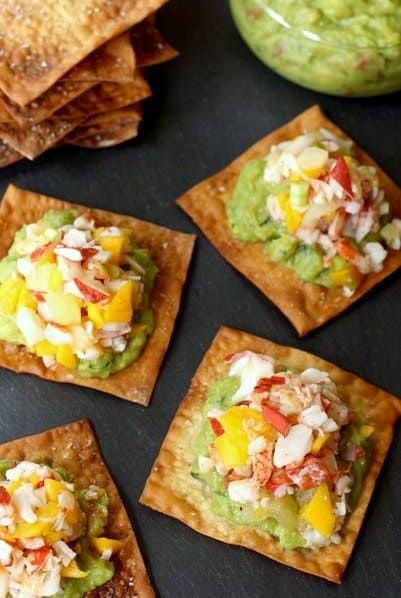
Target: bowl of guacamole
{"points": [[338, 47]]}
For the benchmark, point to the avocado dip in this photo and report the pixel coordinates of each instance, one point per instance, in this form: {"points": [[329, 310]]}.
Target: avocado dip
{"points": [[340, 47]]}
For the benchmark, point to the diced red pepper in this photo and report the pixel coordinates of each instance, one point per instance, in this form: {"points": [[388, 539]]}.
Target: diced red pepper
{"points": [[346, 250], [88, 252], [341, 174], [216, 426], [265, 384], [40, 484], [228, 358], [38, 557], [37, 254], [38, 296], [4, 496], [276, 419]]}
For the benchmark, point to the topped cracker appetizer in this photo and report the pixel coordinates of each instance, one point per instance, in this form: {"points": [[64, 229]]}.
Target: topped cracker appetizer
{"points": [[307, 216], [87, 293], [63, 527], [276, 450]]}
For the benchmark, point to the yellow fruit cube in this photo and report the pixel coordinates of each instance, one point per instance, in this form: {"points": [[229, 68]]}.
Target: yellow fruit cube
{"points": [[241, 425], [48, 258], [65, 356], [95, 314], [115, 244], [341, 277], [5, 535], [32, 530], [45, 348], [26, 299], [48, 512], [65, 309], [52, 537], [10, 292], [366, 430], [74, 515], [53, 489], [11, 488], [102, 544], [318, 512], [293, 217], [319, 443], [120, 308], [73, 571]]}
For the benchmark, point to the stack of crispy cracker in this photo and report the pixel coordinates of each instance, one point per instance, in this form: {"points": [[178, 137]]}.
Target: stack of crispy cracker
{"points": [[73, 72]]}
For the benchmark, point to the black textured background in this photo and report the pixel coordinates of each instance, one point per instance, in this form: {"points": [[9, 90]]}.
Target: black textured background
{"points": [[210, 105]]}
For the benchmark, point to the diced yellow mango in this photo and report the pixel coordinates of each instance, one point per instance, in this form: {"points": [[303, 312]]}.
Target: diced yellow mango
{"points": [[102, 544], [26, 299], [318, 512], [65, 356], [11, 488], [120, 308], [65, 309], [293, 217], [233, 451], [241, 425], [31, 530], [319, 443], [45, 348], [95, 314], [10, 292], [366, 430], [48, 512], [115, 245], [341, 277], [53, 489], [348, 159], [73, 571]]}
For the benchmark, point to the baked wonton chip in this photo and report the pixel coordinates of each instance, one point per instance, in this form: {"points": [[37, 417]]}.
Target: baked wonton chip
{"points": [[48, 38], [171, 489], [108, 128], [306, 305], [75, 448], [170, 250]]}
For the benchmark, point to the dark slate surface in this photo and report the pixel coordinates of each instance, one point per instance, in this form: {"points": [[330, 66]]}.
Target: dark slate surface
{"points": [[210, 105]]}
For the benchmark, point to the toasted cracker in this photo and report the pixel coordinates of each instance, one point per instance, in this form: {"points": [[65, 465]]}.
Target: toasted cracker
{"points": [[75, 448], [108, 128], [48, 38], [306, 305], [149, 44], [33, 141], [171, 489], [171, 252], [8, 155], [112, 62], [105, 97]]}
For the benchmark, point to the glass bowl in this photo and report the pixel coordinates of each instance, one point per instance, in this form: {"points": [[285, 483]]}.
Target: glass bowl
{"points": [[339, 47]]}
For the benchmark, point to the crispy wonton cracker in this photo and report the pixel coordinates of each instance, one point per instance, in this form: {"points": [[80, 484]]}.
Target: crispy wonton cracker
{"points": [[75, 448], [172, 490], [170, 250], [306, 305], [112, 62], [150, 46], [46, 38], [108, 128]]}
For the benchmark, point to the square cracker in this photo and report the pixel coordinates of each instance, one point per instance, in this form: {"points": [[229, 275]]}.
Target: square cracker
{"points": [[108, 128], [171, 489], [44, 39], [171, 252], [74, 447], [306, 305]]}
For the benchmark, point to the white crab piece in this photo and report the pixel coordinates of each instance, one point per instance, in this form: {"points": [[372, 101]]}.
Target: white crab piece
{"points": [[31, 325], [25, 266], [74, 255], [83, 223], [293, 447], [25, 501], [205, 464], [314, 417], [69, 269], [64, 552], [57, 336], [243, 491], [76, 238], [250, 367]]}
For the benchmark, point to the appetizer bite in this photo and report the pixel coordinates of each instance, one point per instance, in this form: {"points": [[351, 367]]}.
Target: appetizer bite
{"points": [[276, 450], [307, 216], [63, 528], [80, 290]]}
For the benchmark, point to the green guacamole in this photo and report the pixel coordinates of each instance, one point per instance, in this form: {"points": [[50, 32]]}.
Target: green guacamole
{"points": [[281, 518], [248, 221], [110, 361], [341, 47]]}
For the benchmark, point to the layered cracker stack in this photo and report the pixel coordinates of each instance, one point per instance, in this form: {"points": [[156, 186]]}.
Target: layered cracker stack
{"points": [[72, 72]]}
